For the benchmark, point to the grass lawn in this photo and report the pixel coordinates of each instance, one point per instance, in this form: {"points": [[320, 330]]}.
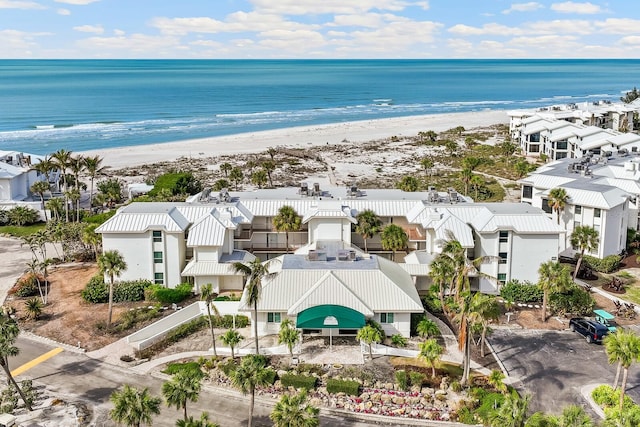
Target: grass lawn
{"points": [[632, 294], [26, 230]]}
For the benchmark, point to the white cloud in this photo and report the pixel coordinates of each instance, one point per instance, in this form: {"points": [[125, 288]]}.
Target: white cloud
{"points": [[117, 32], [577, 8], [341, 7], [369, 20], [96, 29], [64, 12], [17, 4], [134, 46], [18, 44], [77, 2], [487, 29], [523, 7], [562, 26], [618, 25], [630, 40]]}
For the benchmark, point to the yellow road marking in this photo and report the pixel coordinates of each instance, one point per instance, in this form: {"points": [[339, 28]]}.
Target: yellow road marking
{"points": [[36, 361]]}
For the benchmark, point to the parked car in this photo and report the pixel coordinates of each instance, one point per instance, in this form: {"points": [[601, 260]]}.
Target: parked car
{"points": [[591, 330]]}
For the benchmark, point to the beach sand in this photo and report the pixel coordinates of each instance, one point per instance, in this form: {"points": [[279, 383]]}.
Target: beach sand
{"points": [[295, 137]]}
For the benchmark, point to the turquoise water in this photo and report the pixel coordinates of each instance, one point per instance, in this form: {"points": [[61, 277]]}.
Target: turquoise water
{"points": [[91, 104]]}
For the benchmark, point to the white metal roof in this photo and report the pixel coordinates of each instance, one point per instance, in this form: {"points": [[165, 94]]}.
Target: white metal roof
{"points": [[209, 268], [171, 221], [207, 231]]}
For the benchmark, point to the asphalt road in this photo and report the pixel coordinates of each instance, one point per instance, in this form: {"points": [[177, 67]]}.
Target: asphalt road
{"points": [[72, 376], [553, 366]]}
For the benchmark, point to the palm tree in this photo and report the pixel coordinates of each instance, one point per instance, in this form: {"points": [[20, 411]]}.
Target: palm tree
{"points": [[287, 220], [464, 318], [288, 335], [427, 328], [41, 187], [184, 386], [442, 272], [259, 177], [207, 295], [236, 176], [133, 407], [558, 198], [255, 271], [251, 373], [465, 177], [9, 332], [271, 151], [476, 182], [202, 422], [62, 159], [112, 264], [512, 412], [393, 238], [471, 162], [44, 167], [369, 224], [623, 347], [231, 338], [77, 165], [295, 411], [369, 335], [55, 205], [427, 164], [553, 277], [226, 168], [430, 353], [269, 166], [93, 166], [575, 416], [33, 307], [91, 238], [584, 238], [496, 380], [486, 308]]}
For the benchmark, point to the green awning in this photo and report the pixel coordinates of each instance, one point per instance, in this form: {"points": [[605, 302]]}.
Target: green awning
{"points": [[330, 316]]}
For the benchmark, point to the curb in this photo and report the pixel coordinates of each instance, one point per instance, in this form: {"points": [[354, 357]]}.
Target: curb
{"points": [[49, 341]]}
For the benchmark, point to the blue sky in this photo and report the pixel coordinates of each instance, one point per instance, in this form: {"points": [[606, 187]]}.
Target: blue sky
{"points": [[319, 29]]}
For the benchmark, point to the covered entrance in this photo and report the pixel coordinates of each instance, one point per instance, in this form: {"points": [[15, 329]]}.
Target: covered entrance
{"points": [[330, 317]]}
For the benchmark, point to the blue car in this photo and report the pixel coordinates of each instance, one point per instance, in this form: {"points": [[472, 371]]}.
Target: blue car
{"points": [[591, 330]]}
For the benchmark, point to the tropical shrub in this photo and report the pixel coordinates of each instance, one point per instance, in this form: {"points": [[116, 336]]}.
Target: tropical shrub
{"points": [[168, 295], [22, 215], [96, 291], [416, 378], [608, 264], [176, 183], [298, 381], [27, 286], [574, 301], [398, 340], [525, 292], [226, 321], [401, 379], [131, 290], [100, 218], [192, 368], [131, 318], [335, 385]]}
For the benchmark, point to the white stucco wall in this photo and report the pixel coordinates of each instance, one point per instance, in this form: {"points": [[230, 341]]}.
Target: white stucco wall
{"points": [[401, 324], [329, 229]]}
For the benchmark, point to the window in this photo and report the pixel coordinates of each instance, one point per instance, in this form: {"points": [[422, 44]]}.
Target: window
{"points": [[502, 277], [503, 257], [158, 278], [546, 207], [577, 210], [561, 145], [273, 317], [157, 236], [527, 191], [597, 228], [596, 213], [561, 156], [157, 257], [504, 236], [386, 317]]}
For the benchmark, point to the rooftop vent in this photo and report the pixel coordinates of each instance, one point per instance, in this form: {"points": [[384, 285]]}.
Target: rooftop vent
{"points": [[304, 189], [315, 255], [453, 195], [316, 189], [224, 195], [204, 196], [346, 255]]}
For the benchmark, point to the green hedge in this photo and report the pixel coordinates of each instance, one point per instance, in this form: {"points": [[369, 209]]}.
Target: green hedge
{"points": [[343, 386], [192, 368], [526, 292], [97, 291], [608, 264], [168, 295], [576, 301], [299, 381], [226, 321]]}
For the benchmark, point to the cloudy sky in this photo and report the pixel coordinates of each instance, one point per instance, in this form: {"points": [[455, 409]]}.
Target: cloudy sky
{"points": [[319, 29]]}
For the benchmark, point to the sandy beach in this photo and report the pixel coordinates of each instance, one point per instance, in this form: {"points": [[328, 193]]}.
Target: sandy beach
{"points": [[295, 137]]}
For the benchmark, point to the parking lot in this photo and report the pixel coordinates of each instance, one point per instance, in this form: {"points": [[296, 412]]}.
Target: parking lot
{"points": [[553, 366]]}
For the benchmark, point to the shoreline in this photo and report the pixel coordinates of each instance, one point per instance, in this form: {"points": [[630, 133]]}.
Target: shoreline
{"points": [[294, 137]]}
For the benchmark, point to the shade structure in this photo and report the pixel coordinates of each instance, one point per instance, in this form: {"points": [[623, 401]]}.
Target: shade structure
{"points": [[330, 316]]}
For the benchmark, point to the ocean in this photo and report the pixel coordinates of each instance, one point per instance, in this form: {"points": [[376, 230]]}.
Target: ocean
{"points": [[80, 105]]}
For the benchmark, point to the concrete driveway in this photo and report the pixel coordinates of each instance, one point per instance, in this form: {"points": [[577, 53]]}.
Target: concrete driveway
{"points": [[553, 366], [13, 262]]}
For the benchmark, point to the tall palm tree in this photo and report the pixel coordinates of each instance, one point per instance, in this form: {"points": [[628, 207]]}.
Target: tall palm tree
{"points": [[442, 271], [236, 176], [183, 387], [623, 347], [430, 352], [251, 373], [55, 205], [369, 224], [256, 272], [289, 335], [511, 413], [62, 159], [269, 166], [558, 198], [226, 168], [207, 295], [427, 164], [393, 238], [553, 277], [465, 176], [77, 166], [93, 166], [133, 407], [476, 183], [44, 167], [486, 308], [584, 238], [112, 264], [287, 220], [427, 328], [369, 335], [41, 187], [9, 332], [464, 318], [295, 410], [231, 338]]}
